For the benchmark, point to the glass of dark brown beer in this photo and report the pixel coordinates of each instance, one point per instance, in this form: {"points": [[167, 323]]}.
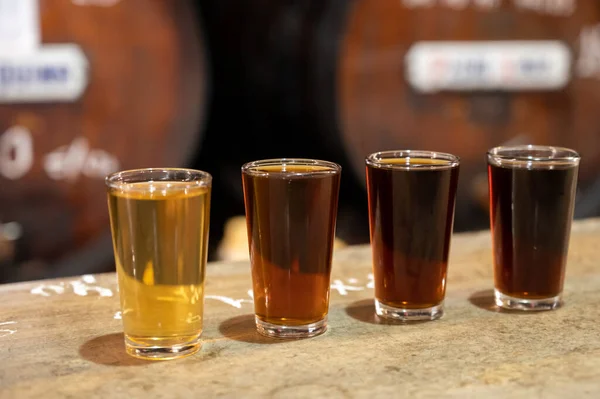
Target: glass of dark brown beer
{"points": [[532, 196], [411, 198], [291, 212]]}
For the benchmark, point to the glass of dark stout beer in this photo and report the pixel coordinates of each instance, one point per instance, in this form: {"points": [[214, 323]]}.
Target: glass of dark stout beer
{"points": [[532, 196], [159, 220], [411, 198], [291, 212]]}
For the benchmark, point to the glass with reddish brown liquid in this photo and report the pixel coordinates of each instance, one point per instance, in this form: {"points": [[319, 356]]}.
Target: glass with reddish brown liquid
{"points": [[291, 211], [532, 197], [411, 214]]}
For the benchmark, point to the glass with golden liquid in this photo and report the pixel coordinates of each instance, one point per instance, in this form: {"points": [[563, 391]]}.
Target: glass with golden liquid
{"points": [[159, 220], [291, 210]]}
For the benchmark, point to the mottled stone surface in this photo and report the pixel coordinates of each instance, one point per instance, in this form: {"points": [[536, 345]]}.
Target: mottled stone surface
{"points": [[60, 338]]}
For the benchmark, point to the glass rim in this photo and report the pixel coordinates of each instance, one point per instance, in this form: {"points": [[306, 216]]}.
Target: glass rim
{"points": [[375, 159], [119, 178], [252, 168], [524, 156]]}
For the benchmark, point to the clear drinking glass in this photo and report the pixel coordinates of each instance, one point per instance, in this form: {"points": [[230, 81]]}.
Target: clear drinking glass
{"points": [[159, 220], [411, 215], [532, 196], [291, 212]]}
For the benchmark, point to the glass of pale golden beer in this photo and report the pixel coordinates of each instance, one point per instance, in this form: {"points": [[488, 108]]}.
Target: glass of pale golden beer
{"points": [[291, 210], [159, 220]]}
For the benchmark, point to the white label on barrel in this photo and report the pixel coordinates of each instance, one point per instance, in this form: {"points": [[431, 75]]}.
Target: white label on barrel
{"points": [[499, 65], [588, 64], [54, 73], [19, 26], [452, 4], [16, 152], [101, 3], [561, 8]]}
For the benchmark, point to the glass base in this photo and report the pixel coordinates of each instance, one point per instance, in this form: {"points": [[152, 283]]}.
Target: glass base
{"points": [[402, 314], [157, 349], [281, 331], [509, 302]]}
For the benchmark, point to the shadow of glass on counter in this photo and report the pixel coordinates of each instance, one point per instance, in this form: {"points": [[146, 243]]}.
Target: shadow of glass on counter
{"points": [[109, 350], [243, 329]]}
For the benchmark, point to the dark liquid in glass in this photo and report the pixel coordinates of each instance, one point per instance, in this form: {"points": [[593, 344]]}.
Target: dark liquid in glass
{"points": [[530, 214], [411, 215], [291, 228]]}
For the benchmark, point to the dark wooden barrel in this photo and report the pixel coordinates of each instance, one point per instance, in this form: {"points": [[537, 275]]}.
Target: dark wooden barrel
{"points": [[93, 87], [401, 83], [459, 76]]}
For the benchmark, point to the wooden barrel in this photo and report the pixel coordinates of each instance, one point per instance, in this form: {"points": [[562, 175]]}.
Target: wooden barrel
{"points": [[458, 76], [464, 76], [88, 87]]}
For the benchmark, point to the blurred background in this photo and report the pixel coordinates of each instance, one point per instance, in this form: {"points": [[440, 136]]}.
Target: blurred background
{"points": [[88, 87]]}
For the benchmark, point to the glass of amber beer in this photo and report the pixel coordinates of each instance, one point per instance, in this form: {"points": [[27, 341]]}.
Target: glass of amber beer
{"points": [[411, 197], [291, 212], [159, 220], [532, 197]]}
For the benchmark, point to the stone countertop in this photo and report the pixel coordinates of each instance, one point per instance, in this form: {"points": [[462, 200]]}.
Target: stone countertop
{"points": [[63, 338]]}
